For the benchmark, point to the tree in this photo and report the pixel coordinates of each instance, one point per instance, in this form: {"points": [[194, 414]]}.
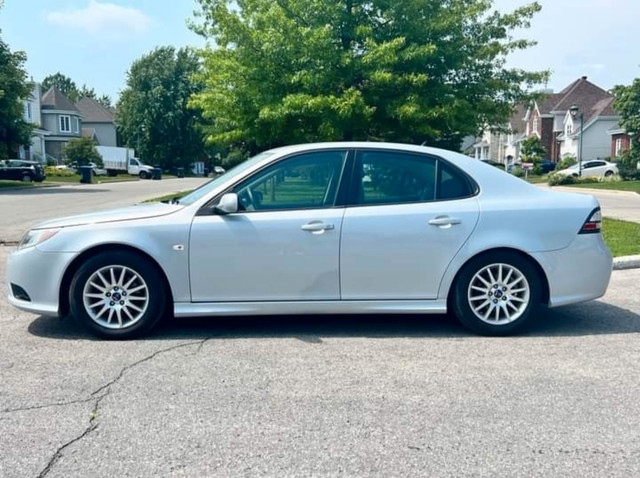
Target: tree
{"points": [[532, 150], [288, 71], [14, 87], [153, 114], [82, 151], [69, 88], [627, 104]]}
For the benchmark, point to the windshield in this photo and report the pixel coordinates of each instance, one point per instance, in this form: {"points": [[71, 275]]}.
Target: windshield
{"points": [[215, 183]]}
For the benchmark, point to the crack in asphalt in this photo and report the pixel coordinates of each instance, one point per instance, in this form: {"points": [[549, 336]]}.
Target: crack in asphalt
{"points": [[98, 395]]}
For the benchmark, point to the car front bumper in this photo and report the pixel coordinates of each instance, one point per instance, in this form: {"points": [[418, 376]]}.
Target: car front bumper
{"points": [[39, 274]]}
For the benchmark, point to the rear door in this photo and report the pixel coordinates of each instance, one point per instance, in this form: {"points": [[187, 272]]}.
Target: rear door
{"points": [[408, 216]]}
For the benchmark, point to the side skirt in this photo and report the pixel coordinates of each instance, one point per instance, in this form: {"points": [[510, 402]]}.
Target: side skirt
{"points": [[204, 309]]}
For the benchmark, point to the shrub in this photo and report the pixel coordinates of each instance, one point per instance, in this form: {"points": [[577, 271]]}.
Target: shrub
{"points": [[628, 172], [564, 163], [518, 172], [556, 179], [52, 172]]}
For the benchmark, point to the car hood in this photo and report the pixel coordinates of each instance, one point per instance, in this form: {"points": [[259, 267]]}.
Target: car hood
{"points": [[129, 213]]}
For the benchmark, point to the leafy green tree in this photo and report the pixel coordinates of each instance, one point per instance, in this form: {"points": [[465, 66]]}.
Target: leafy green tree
{"points": [[627, 104], [152, 114], [532, 151], [288, 71], [14, 87], [82, 151], [67, 86]]}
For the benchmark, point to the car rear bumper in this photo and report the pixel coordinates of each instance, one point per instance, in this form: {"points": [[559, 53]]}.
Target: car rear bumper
{"points": [[33, 279], [579, 272]]}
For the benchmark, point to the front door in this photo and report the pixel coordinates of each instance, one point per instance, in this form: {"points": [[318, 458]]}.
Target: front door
{"points": [[282, 245]]}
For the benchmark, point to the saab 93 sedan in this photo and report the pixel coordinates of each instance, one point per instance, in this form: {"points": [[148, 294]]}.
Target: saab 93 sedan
{"points": [[330, 228]]}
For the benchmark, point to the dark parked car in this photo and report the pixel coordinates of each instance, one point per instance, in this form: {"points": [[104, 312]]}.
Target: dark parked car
{"points": [[546, 165], [21, 170]]}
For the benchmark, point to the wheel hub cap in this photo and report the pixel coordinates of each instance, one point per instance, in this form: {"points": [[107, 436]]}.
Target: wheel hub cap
{"points": [[116, 297], [498, 294]]}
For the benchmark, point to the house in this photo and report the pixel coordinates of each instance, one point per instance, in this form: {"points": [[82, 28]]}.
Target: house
{"points": [[57, 121], [62, 119], [97, 122], [620, 141], [551, 120]]}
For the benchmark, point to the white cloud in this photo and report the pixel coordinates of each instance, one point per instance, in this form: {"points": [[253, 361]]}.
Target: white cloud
{"points": [[103, 20]]}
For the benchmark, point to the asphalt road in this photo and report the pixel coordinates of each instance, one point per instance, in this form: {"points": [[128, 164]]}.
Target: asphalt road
{"points": [[616, 204], [326, 396], [22, 207]]}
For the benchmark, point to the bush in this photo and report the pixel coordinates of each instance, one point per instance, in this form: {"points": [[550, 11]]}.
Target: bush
{"points": [[518, 172], [628, 172], [566, 162], [52, 172], [556, 179]]}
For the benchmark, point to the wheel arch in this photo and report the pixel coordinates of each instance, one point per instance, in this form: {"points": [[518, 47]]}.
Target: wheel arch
{"points": [[70, 272], [544, 281]]}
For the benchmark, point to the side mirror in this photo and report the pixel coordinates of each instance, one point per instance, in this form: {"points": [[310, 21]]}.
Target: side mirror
{"points": [[228, 204]]}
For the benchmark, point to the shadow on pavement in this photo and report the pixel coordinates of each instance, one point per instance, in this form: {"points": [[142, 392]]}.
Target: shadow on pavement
{"points": [[51, 190], [593, 318]]}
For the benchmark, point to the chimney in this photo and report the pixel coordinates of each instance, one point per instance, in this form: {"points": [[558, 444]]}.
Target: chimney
{"points": [[584, 77]]}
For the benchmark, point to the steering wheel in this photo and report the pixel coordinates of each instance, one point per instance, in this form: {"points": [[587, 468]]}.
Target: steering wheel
{"points": [[245, 198]]}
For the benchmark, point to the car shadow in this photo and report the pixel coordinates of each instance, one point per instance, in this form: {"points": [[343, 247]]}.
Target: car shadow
{"points": [[41, 191], [593, 318]]}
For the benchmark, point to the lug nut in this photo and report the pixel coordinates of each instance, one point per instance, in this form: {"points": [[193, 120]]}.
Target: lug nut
{"points": [[495, 301], [504, 289], [108, 294], [504, 297], [122, 302], [123, 293], [112, 303]]}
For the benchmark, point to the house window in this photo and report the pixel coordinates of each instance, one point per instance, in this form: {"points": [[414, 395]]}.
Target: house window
{"points": [[27, 111], [535, 124], [618, 146], [569, 129], [65, 124], [76, 125]]}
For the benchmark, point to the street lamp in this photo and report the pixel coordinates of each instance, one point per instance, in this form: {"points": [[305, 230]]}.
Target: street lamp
{"points": [[574, 114], [140, 128]]}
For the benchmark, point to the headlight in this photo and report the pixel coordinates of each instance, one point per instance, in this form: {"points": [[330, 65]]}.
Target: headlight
{"points": [[36, 236]]}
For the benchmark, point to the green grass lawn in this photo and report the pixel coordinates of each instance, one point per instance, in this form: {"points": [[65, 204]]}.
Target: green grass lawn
{"points": [[537, 179], [13, 184], [622, 237], [614, 185], [75, 178]]}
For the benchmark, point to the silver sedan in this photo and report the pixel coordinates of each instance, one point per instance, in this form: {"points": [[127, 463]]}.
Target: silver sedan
{"points": [[332, 228]]}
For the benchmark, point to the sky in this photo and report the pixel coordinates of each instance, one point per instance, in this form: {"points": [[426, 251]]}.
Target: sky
{"points": [[94, 42]]}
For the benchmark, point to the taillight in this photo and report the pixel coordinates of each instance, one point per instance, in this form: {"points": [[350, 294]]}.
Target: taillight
{"points": [[593, 224]]}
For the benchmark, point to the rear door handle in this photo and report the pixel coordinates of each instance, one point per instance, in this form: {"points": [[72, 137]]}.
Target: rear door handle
{"points": [[316, 226], [444, 221]]}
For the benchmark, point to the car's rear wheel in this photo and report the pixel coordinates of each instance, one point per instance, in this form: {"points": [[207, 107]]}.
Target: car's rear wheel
{"points": [[608, 174], [117, 295], [26, 178], [497, 293]]}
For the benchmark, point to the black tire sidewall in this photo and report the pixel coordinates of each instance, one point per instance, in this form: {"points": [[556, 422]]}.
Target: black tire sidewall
{"points": [[141, 266], [461, 306]]}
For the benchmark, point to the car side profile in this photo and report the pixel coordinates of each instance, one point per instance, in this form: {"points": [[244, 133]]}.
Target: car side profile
{"points": [[22, 170], [595, 168], [328, 228]]}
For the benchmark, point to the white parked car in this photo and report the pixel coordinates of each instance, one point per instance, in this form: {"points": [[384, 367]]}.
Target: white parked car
{"points": [[299, 230], [97, 170], [596, 167]]}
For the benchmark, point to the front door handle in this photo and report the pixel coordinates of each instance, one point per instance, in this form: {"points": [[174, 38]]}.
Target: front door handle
{"points": [[444, 221], [317, 227]]}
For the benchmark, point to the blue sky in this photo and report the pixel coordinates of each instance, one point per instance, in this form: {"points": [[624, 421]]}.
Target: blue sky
{"points": [[95, 41]]}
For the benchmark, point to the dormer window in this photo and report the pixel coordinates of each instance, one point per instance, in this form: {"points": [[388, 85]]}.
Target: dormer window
{"points": [[569, 129], [535, 124], [65, 124]]}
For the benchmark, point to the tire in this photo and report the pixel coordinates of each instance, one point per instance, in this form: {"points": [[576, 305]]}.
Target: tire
{"points": [[26, 178], [117, 295], [608, 174], [481, 288], [144, 175]]}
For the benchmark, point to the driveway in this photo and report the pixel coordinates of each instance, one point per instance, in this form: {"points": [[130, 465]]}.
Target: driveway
{"points": [[23, 207]]}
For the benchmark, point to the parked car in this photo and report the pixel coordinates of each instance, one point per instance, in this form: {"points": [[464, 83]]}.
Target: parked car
{"points": [[22, 170], [97, 170], [596, 167], [546, 166], [298, 230]]}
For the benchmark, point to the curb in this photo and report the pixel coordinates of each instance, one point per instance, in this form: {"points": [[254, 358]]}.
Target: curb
{"points": [[626, 262], [594, 191]]}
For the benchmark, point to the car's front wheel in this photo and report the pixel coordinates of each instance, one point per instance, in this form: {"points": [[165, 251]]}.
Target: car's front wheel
{"points": [[117, 295], [26, 178], [497, 293], [144, 175]]}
